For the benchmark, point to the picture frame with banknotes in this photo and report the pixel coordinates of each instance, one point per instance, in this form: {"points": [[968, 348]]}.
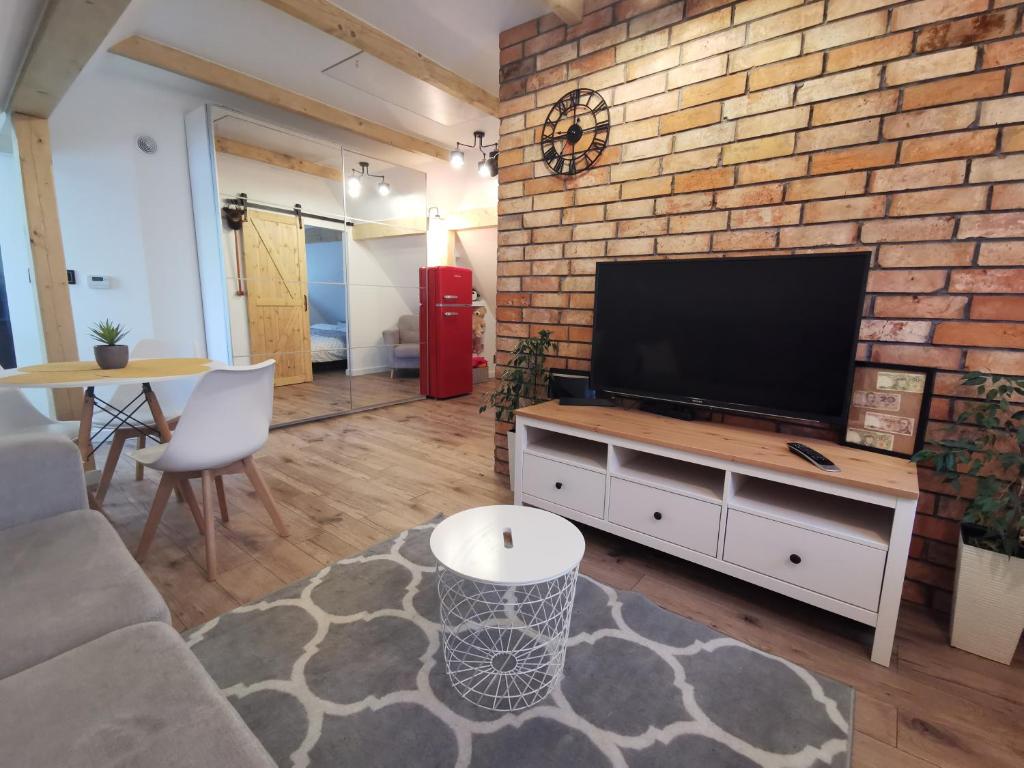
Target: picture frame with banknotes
{"points": [[889, 408]]}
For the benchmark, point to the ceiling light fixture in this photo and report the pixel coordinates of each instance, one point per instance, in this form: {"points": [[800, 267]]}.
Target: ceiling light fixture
{"points": [[354, 185], [488, 165]]}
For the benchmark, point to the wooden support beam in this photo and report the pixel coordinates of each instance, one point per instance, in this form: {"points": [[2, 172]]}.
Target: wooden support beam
{"points": [[205, 71], [326, 16], [473, 218], [569, 11], [51, 276], [68, 35], [372, 230], [280, 159]]}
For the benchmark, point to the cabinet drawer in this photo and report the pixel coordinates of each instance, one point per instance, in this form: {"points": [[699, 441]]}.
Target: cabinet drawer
{"points": [[678, 519], [842, 569], [564, 484]]}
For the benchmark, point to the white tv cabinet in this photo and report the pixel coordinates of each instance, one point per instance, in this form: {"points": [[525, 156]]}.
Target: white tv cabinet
{"points": [[732, 499]]}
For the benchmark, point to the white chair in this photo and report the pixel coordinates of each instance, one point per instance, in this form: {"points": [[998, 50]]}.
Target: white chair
{"points": [[171, 395], [226, 420], [19, 417]]}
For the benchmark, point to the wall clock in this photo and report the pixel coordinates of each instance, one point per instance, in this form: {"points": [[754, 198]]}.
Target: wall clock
{"points": [[575, 132]]}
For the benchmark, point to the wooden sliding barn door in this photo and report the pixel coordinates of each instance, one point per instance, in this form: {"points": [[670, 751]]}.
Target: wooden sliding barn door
{"points": [[274, 252]]}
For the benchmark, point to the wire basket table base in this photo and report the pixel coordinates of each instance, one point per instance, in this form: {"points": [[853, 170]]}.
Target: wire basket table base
{"points": [[504, 645]]}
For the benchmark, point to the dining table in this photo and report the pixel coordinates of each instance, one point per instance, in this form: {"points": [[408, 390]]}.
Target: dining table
{"points": [[86, 375]]}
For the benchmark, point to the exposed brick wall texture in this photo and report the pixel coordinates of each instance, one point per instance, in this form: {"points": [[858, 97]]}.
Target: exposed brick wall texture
{"points": [[784, 126]]}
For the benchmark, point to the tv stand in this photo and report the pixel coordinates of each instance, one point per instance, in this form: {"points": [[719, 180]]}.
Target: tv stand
{"points": [[732, 499]]}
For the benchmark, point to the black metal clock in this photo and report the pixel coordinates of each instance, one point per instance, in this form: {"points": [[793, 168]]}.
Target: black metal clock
{"points": [[575, 132]]}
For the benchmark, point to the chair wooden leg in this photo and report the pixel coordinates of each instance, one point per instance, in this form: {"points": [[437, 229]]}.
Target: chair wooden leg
{"points": [[249, 464], [184, 487], [139, 469], [163, 492], [116, 446], [211, 540], [222, 499]]}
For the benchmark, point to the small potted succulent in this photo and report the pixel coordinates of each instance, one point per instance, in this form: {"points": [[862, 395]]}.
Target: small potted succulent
{"points": [[983, 455], [110, 352], [524, 382]]}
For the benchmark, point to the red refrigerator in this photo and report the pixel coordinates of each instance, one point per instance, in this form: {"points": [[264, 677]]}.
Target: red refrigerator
{"points": [[446, 331]]}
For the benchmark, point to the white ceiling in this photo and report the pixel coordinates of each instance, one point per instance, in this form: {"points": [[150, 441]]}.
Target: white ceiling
{"points": [[18, 19], [259, 40]]}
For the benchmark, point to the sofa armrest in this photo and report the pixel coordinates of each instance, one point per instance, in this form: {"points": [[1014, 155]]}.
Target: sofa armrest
{"points": [[391, 337], [42, 476]]}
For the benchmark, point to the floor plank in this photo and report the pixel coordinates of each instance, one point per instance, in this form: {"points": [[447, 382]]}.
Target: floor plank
{"points": [[348, 483]]}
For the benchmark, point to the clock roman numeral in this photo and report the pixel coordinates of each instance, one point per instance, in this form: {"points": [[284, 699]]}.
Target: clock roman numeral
{"points": [[550, 154], [559, 162]]}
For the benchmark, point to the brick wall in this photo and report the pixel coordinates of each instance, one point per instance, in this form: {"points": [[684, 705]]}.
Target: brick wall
{"points": [[784, 126]]}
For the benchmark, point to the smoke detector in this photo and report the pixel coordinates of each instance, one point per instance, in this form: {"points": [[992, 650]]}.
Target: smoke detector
{"points": [[147, 144]]}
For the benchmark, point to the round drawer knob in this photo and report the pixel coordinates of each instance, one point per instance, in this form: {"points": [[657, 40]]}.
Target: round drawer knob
{"points": [[657, 515], [558, 486], [795, 559]]}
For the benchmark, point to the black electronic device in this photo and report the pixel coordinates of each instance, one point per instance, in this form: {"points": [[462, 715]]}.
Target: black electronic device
{"points": [[819, 460]]}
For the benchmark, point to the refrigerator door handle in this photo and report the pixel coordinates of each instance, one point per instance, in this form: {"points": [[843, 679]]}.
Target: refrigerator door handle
{"points": [[451, 314], [449, 296]]}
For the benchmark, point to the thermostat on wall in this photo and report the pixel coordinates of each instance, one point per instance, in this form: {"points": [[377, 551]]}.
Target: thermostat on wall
{"points": [[99, 281]]}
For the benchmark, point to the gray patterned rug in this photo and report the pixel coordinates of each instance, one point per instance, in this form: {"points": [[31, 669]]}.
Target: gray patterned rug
{"points": [[344, 669]]}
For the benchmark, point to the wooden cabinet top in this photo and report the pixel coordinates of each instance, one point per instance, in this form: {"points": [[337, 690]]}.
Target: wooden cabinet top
{"points": [[876, 472]]}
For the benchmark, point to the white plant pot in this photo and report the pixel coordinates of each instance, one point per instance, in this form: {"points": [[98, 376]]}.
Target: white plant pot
{"points": [[511, 460], [988, 603]]}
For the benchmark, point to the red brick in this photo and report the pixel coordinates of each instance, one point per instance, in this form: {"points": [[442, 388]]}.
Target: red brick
{"points": [[1002, 254], [920, 306], [695, 181], [765, 216], [931, 66], [684, 243], [843, 233], [929, 11], [841, 84], [953, 34], [1001, 111], [699, 222], [914, 331], [906, 280], [845, 134], [981, 85], [788, 21], [926, 254], [855, 158], [971, 334], [700, 201], [987, 281], [992, 225], [925, 121], [1007, 363], [845, 209], [916, 354], [1003, 53], [789, 71], [854, 107], [773, 170], [827, 186], [997, 169], [998, 308], [745, 197], [939, 201], [518, 33], [744, 240], [948, 145], [908, 230], [918, 176], [870, 51]]}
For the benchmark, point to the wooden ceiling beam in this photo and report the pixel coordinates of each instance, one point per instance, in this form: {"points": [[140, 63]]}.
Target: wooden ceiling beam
{"points": [[69, 33], [569, 11], [329, 18], [182, 63], [280, 159]]}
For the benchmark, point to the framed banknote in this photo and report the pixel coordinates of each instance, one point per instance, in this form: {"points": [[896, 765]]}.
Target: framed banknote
{"points": [[889, 408]]}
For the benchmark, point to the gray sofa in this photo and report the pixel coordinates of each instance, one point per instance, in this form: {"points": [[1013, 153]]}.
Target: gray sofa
{"points": [[91, 672], [404, 342]]}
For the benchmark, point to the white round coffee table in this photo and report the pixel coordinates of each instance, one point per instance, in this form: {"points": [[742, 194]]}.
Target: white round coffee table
{"points": [[506, 579]]}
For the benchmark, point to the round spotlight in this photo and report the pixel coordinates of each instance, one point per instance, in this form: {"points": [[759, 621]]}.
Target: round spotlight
{"points": [[354, 186], [492, 164], [383, 189], [484, 169], [458, 159]]}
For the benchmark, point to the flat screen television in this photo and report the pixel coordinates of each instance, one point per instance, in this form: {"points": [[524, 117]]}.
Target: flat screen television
{"points": [[764, 335]]}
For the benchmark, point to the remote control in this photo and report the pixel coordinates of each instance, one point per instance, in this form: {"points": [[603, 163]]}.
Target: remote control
{"points": [[821, 462]]}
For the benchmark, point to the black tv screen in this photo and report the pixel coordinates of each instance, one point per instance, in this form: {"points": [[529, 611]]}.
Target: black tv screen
{"points": [[765, 335]]}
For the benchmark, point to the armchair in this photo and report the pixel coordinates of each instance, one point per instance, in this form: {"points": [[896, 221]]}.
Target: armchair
{"points": [[403, 343]]}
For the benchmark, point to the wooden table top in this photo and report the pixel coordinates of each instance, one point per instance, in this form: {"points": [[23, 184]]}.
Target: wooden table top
{"points": [[870, 471], [86, 373]]}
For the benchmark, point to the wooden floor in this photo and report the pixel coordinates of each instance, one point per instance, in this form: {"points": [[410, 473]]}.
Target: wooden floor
{"points": [[333, 391], [350, 482]]}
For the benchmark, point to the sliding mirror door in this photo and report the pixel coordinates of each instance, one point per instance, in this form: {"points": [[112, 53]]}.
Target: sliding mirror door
{"points": [[283, 224], [386, 204]]}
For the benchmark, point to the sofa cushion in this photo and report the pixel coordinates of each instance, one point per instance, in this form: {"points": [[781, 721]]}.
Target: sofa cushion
{"points": [[409, 329], [407, 351], [135, 697], [64, 581]]}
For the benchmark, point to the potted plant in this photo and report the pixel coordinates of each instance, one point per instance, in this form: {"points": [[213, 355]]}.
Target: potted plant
{"points": [[985, 448], [524, 382], [110, 352]]}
